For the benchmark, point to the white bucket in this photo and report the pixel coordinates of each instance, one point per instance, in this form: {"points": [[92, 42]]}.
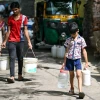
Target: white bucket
{"points": [[86, 77], [4, 62], [30, 65]]}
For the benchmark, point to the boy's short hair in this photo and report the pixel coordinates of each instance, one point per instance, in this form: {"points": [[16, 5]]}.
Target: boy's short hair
{"points": [[73, 27], [14, 5]]}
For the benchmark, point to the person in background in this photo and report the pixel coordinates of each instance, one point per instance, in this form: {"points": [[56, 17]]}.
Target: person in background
{"points": [[74, 45], [2, 9], [1, 31], [17, 28]]}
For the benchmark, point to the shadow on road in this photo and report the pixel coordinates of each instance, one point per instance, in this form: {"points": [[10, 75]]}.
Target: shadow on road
{"points": [[97, 77], [24, 79], [3, 79], [52, 93]]}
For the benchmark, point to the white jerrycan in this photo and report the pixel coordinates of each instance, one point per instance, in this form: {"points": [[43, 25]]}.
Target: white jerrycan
{"points": [[60, 51], [63, 79], [86, 77], [54, 51]]}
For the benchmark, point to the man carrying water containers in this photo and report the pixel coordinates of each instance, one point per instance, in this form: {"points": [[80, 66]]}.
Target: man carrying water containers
{"points": [[17, 28], [74, 45]]}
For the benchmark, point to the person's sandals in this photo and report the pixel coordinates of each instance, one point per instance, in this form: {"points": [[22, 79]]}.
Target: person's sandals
{"points": [[71, 92], [10, 80], [81, 95], [20, 78]]}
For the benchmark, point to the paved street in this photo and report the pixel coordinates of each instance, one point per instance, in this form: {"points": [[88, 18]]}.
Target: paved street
{"points": [[43, 84]]}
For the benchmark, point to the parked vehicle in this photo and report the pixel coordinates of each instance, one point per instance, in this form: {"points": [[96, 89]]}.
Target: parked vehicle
{"points": [[51, 21]]}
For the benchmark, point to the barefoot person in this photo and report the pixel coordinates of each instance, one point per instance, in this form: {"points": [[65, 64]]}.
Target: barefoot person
{"points": [[74, 45], [17, 28]]}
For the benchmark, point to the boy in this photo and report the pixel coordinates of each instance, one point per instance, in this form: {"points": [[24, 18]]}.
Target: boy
{"points": [[74, 45], [17, 28]]}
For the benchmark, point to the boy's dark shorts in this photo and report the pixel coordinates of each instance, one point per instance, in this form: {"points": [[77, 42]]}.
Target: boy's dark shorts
{"points": [[70, 64]]}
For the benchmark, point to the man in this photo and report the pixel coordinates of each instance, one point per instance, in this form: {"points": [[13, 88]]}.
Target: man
{"points": [[74, 45], [17, 28]]}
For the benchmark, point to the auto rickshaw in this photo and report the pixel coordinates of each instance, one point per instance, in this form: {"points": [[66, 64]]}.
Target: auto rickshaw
{"points": [[51, 21]]}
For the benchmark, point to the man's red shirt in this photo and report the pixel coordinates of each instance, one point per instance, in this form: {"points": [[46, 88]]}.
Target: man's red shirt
{"points": [[15, 28]]}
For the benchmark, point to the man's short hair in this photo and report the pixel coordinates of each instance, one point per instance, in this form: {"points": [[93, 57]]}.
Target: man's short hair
{"points": [[73, 27], [14, 5]]}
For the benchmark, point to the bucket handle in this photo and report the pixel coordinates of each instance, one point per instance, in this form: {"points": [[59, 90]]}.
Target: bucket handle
{"points": [[32, 52]]}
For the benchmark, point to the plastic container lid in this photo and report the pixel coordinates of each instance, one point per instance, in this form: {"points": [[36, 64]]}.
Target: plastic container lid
{"points": [[63, 71]]}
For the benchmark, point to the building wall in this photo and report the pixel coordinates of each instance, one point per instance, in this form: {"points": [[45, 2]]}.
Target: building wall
{"points": [[27, 7], [91, 24], [96, 23]]}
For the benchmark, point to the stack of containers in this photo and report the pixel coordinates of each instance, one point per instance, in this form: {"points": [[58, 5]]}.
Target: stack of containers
{"points": [[58, 51]]}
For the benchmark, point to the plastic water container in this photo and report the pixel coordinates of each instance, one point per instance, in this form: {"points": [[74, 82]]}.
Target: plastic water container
{"points": [[30, 65], [63, 79], [54, 51], [60, 51], [86, 77], [4, 62]]}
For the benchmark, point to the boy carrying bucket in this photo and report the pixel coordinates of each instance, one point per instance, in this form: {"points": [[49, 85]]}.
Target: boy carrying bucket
{"points": [[74, 45]]}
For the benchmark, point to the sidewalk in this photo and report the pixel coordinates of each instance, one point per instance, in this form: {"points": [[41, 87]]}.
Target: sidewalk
{"points": [[43, 84]]}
